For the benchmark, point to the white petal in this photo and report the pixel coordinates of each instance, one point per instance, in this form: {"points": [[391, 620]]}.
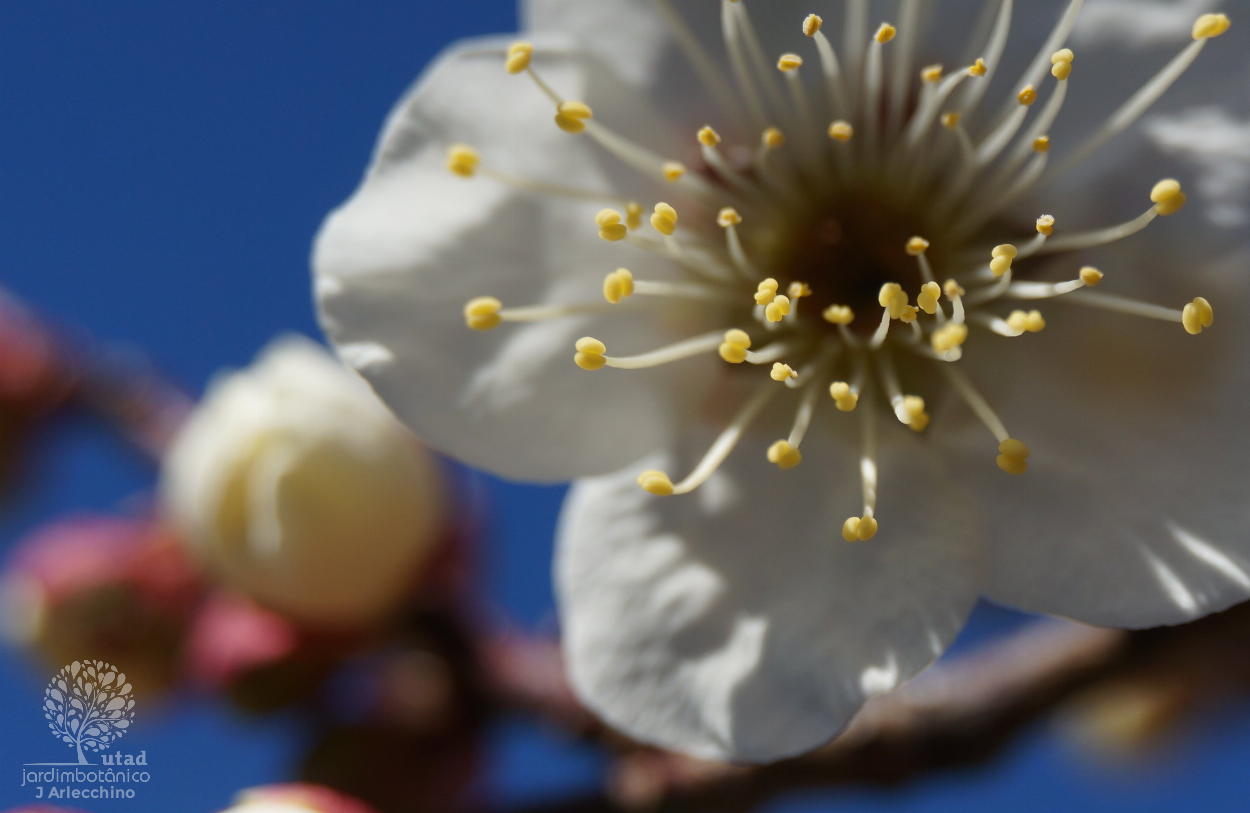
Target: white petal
{"points": [[1135, 510], [735, 623], [395, 265]]}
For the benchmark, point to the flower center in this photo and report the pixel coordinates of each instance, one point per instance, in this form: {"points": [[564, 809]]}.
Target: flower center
{"points": [[854, 243]]}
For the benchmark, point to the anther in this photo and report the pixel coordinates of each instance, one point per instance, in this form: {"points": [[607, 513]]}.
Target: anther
{"points": [[633, 215], [1030, 322], [798, 290], [656, 482], [978, 68], [783, 455], [610, 226], [618, 285], [766, 292], [482, 313], [1041, 144], [778, 309], [673, 170], [859, 529], [1013, 456], [931, 74], [590, 354], [951, 120], [910, 410], [735, 347], [782, 372], [463, 160], [707, 136], [518, 59], [789, 62], [812, 24], [1027, 96], [1197, 315], [1091, 276], [841, 131], [773, 138], [917, 246], [1046, 225], [571, 117], [893, 298], [949, 336], [1168, 197], [885, 33], [1061, 64], [843, 396], [728, 217], [928, 297], [952, 289], [1209, 26], [665, 219], [838, 315], [1001, 258]]}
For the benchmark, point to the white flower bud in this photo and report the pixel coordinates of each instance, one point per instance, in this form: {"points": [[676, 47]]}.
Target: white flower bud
{"points": [[299, 488]]}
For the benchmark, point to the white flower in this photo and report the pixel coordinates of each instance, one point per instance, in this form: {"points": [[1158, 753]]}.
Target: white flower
{"points": [[818, 247], [299, 488], [296, 798]]}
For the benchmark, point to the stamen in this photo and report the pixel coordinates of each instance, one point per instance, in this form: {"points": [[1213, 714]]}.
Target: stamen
{"points": [[766, 292], [736, 346], [838, 315], [1168, 199], [948, 337], [995, 324], [1001, 258], [590, 354], [872, 89], [610, 226], [778, 309], [1200, 314], [865, 527], [909, 409], [841, 131], [665, 219], [487, 312], [678, 351], [782, 372], [1030, 322], [844, 396], [1012, 454], [993, 54], [900, 71], [928, 297], [835, 85], [518, 57], [463, 160], [618, 285], [1089, 277], [571, 117], [728, 219], [1037, 68]]}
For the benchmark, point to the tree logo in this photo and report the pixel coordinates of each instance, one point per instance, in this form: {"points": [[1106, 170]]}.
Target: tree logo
{"points": [[89, 707]]}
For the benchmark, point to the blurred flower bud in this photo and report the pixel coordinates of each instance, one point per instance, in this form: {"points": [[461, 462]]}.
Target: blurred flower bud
{"points": [[101, 586], [302, 491], [296, 798], [1128, 718]]}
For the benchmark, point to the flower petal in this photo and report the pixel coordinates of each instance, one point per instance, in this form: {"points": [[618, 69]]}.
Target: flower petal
{"points": [[395, 265], [736, 623], [1134, 510]]}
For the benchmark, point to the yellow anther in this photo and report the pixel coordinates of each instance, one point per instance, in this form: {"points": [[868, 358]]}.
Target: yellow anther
{"points": [[798, 290], [590, 354], [735, 347], [610, 226], [1030, 322], [519, 54], [1013, 456], [665, 219], [571, 117], [1197, 315], [728, 217], [618, 285], [842, 395], [789, 62], [707, 136], [783, 455], [1168, 197], [463, 160], [917, 246], [773, 138], [859, 529], [1091, 276], [1046, 225], [812, 24], [841, 131], [1041, 144], [885, 33], [838, 315], [949, 336], [931, 74], [893, 298], [913, 408], [766, 292], [978, 68], [778, 309], [909, 314], [928, 297], [1027, 96], [633, 215], [951, 120], [1211, 25], [673, 170], [1002, 257], [482, 313], [782, 372], [656, 482], [1059, 57], [1061, 70], [952, 289]]}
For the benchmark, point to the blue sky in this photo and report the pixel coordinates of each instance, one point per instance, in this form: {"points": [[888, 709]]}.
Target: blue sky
{"points": [[163, 168]]}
